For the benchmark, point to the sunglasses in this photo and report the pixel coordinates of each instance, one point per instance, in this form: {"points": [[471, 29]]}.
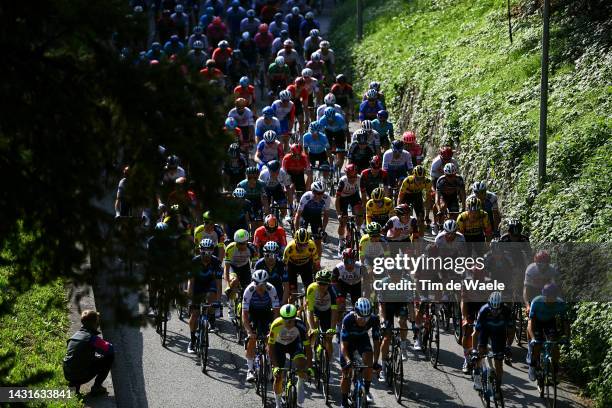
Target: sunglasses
{"points": [[207, 252], [318, 193], [269, 255]]}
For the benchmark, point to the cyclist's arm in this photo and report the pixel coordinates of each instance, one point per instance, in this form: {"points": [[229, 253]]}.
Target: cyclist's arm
{"points": [[325, 218]]}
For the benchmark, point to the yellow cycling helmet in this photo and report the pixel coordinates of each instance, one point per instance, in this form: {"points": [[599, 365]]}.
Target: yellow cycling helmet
{"points": [[473, 204], [419, 171], [301, 236], [377, 194]]}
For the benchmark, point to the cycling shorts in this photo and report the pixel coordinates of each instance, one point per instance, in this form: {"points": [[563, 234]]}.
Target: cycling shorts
{"points": [[277, 194], [243, 273], [393, 309], [472, 310], [415, 200], [452, 202], [297, 178], [352, 200], [498, 341], [295, 349], [304, 271], [360, 344], [315, 222], [317, 157], [336, 138], [345, 289], [324, 318], [284, 126], [544, 329], [261, 320]]}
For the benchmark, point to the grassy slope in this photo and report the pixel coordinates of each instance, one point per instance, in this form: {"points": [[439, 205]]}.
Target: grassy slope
{"points": [[35, 330], [450, 72]]}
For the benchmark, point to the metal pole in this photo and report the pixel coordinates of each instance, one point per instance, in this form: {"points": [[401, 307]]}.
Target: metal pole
{"points": [[359, 20], [509, 22], [543, 97]]}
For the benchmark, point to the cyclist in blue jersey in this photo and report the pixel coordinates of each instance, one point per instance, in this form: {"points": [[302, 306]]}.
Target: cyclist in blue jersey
{"points": [[314, 211], [276, 268], [316, 145], [335, 127], [384, 128], [368, 110]]}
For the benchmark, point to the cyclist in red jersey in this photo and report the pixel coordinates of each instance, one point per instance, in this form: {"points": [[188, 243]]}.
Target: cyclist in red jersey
{"points": [[410, 145], [299, 97], [245, 90], [344, 95], [296, 163], [373, 177], [270, 231]]}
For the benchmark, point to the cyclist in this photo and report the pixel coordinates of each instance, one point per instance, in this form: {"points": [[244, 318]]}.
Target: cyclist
{"points": [[221, 55], [344, 95], [308, 24], [296, 164], [369, 108], [329, 102], [237, 67], [245, 119], [515, 232], [197, 57], [239, 255], [493, 324], [250, 23], [515, 239], [379, 208], [159, 263], [256, 194], [311, 43], [449, 239], [284, 110], [373, 136], [279, 75], [271, 231], [313, 210], [248, 48], [204, 285], [384, 128], [302, 258], [245, 90], [335, 127], [299, 97], [234, 16], [398, 163], [360, 151], [450, 190], [375, 86], [316, 145], [322, 308], [474, 223], [354, 338], [211, 231], [277, 44], [347, 195], [347, 276], [470, 305], [278, 25], [277, 272], [278, 186], [444, 157], [402, 227], [292, 58], [263, 41], [371, 245], [415, 150], [547, 313], [245, 211], [172, 171], [260, 306], [374, 177], [267, 122], [294, 21], [488, 200], [537, 275], [411, 192], [328, 57], [174, 46], [318, 68], [312, 87], [268, 149], [235, 166], [288, 336]]}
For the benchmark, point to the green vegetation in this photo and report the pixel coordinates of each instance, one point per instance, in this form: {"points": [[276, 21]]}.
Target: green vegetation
{"points": [[450, 72], [33, 336]]}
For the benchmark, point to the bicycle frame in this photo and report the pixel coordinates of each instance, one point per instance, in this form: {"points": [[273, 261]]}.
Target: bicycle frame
{"points": [[202, 336]]}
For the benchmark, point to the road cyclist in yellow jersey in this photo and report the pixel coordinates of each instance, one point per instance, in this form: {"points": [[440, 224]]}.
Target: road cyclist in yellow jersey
{"points": [[411, 192], [239, 256], [302, 258], [322, 308], [474, 223], [208, 229], [378, 208], [371, 246]]}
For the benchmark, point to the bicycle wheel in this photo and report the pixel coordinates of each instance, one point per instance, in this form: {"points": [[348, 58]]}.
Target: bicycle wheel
{"points": [[389, 371], [498, 396], [325, 374], [291, 396], [520, 324], [433, 347], [164, 322], [457, 320], [204, 347], [317, 366], [398, 375], [550, 388]]}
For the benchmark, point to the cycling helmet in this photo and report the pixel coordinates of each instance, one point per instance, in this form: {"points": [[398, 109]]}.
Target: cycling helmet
{"points": [[479, 187], [260, 276], [373, 228], [550, 290], [198, 29], [198, 45], [307, 73], [450, 168], [472, 204], [314, 127], [397, 145], [263, 28], [250, 13], [409, 137], [138, 9], [175, 209], [174, 38], [278, 16], [269, 136], [375, 85], [172, 162], [181, 181], [402, 209], [280, 61], [324, 276], [284, 95], [309, 15], [239, 192], [382, 114], [231, 123], [495, 300], [541, 257], [351, 170], [161, 227], [246, 36], [324, 167], [446, 152], [241, 236], [377, 194], [301, 236], [362, 136], [288, 42], [375, 162], [274, 166], [271, 247], [268, 112], [515, 227], [372, 94], [234, 150], [330, 113], [288, 311], [179, 8], [223, 44], [296, 148], [366, 125], [206, 217], [206, 243], [363, 307], [295, 11], [315, 57], [348, 253], [314, 32], [318, 187], [341, 78], [419, 171], [330, 99], [251, 171], [241, 103], [450, 226], [244, 81], [324, 44]]}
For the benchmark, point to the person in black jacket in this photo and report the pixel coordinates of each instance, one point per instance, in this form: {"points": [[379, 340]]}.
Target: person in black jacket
{"points": [[88, 355]]}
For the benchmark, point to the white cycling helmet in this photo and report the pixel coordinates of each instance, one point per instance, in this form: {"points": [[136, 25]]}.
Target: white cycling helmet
{"points": [[450, 226], [363, 307], [318, 187], [366, 125], [260, 276], [450, 168], [239, 192], [479, 187], [330, 99], [284, 95], [495, 300], [307, 73], [269, 136], [280, 60]]}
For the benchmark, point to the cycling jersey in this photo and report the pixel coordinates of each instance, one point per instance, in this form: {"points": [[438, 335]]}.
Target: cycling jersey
{"points": [[542, 311], [352, 331], [369, 112], [315, 146], [450, 187], [262, 236], [311, 85], [405, 230], [205, 276], [281, 334], [413, 185], [442, 243], [309, 207], [277, 275], [360, 155], [216, 234], [368, 249], [352, 277], [299, 256], [283, 111], [318, 300], [346, 188], [379, 211], [237, 257], [321, 110], [261, 127], [437, 167], [373, 139], [246, 92], [343, 93], [337, 125], [236, 166], [291, 57], [474, 225], [538, 276], [311, 44], [384, 129], [278, 73], [270, 151], [489, 204], [328, 57], [492, 327], [252, 300], [401, 164], [244, 119], [295, 164], [303, 93], [282, 179], [416, 152], [369, 181], [255, 193], [250, 25], [263, 41], [317, 67]]}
